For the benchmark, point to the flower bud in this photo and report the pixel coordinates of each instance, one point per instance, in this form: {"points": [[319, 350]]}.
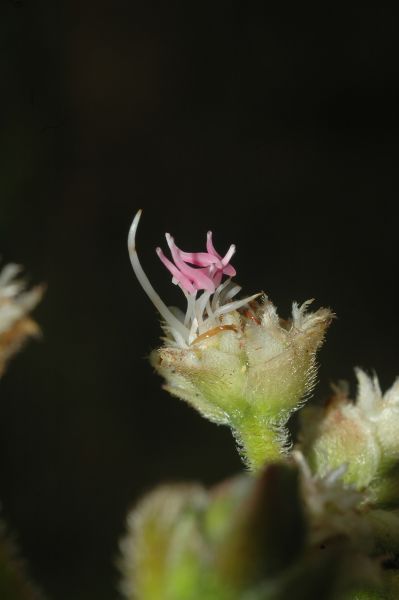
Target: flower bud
{"points": [[163, 550], [361, 434], [284, 533]]}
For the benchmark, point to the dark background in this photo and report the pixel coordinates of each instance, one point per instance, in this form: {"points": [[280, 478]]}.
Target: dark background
{"points": [[274, 127]]}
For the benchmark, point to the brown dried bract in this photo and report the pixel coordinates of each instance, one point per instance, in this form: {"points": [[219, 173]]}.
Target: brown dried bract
{"points": [[212, 332]]}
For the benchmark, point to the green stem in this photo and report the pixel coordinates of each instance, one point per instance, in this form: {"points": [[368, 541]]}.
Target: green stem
{"points": [[260, 443]]}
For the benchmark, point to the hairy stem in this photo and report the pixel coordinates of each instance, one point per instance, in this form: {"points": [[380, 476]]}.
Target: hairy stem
{"points": [[259, 442]]}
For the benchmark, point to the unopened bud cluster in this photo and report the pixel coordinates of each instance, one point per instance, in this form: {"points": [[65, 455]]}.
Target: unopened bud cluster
{"points": [[363, 434]]}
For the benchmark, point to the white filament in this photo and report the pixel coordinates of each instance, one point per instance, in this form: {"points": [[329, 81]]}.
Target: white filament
{"points": [[171, 320], [233, 291], [226, 308], [218, 292]]}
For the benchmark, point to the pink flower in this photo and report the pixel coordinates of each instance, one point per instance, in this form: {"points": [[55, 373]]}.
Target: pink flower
{"points": [[204, 311], [209, 268]]}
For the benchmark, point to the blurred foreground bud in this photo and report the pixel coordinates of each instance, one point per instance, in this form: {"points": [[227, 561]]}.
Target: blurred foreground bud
{"points": [[235, 361], [266, 528], [162, 552], [14, 585], [15, 304], [281, 535], [361, 434]]}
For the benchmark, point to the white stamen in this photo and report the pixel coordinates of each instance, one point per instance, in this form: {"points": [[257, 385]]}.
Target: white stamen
{"points": [[193, 330], [200, 308], [230, 252], [226, 308], [144, 282], [231, 293], [218, 293], [209, 310], [190, 307]]}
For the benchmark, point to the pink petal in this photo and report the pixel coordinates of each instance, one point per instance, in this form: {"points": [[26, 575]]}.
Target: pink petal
{"points": [[198, 277], [226, 268], [229, 270], [180, 278], [217, 278], [201, 259]]}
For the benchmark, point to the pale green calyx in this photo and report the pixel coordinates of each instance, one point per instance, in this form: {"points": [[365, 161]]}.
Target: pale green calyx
{"points": [[251, 373], [361, 433], [235, 361]]}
